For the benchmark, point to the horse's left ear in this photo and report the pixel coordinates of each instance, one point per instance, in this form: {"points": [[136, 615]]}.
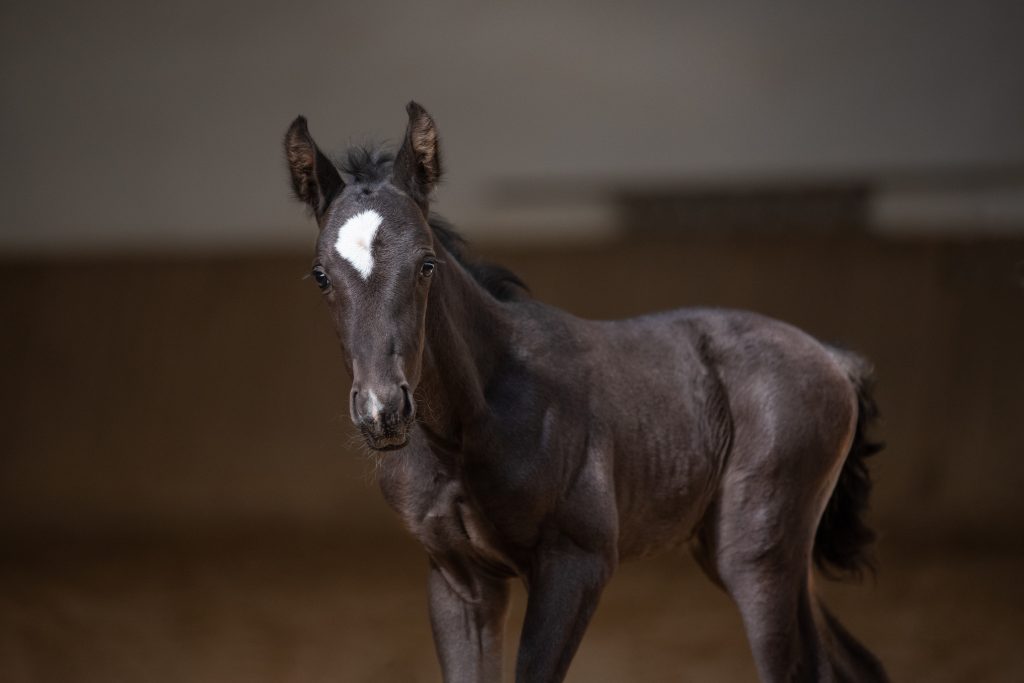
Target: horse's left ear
{"points": [[418, 163]]}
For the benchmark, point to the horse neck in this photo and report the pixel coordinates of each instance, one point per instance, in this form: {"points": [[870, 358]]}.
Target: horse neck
{"points": [[467, 333]]}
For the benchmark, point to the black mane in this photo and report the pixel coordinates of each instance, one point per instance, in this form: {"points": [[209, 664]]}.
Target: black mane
{"points": [[502, 283], [372, 164]]}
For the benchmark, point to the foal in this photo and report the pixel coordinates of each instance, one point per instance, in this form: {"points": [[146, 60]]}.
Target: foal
{"points": [[539, 446]]}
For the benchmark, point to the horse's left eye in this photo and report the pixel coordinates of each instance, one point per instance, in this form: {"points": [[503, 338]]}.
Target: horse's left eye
{"points": [[322, 281], [427, 269]]}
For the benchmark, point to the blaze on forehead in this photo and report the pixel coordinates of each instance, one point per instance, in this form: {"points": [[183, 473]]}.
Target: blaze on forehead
{"points": [[387, 219], [354, 242]]}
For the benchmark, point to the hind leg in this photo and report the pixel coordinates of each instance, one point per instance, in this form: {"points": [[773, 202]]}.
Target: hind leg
{"points": [[759, 540], [761, 553], [792, 636]]}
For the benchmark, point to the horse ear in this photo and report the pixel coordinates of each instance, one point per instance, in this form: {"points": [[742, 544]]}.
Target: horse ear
{"points": [[418, 162], [315, 180]]}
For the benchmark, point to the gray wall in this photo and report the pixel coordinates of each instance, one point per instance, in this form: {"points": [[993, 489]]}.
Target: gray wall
{"points": [[129, 125]]}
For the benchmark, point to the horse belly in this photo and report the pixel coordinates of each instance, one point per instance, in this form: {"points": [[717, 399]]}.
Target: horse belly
{"points": [[670, 441], [661, 494]]}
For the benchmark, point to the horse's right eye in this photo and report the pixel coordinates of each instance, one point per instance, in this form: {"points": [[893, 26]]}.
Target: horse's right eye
{"points": [[322, 281]]}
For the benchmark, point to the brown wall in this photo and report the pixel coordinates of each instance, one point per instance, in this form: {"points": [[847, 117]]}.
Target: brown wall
{"points": [[187, 394]]}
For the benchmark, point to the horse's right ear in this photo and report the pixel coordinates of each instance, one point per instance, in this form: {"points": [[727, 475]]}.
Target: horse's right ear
{"points": [[315, 180]]}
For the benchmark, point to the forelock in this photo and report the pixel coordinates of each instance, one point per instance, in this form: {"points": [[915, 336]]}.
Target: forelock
{"points": [[367, 164]]}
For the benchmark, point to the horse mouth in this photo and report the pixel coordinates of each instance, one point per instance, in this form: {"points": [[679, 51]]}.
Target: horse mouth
{"points": [[387, 442], [390, 445]]}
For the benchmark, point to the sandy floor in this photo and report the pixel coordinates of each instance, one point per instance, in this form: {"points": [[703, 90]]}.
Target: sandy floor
{"points": [[307, 609]]}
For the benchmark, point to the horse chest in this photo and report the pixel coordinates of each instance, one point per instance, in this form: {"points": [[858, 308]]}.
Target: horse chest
{"points": [[447, 522]]}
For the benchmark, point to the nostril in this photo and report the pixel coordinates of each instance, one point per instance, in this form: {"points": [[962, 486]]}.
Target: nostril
{"points": [[353, 411], [408, 408]]}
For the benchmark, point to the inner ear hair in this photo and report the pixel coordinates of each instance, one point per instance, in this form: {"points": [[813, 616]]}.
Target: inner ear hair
{"points": [[423, 138]]}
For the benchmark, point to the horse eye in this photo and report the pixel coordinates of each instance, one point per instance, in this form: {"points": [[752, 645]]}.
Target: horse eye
{"points": [[322, 281], [427, 269]]}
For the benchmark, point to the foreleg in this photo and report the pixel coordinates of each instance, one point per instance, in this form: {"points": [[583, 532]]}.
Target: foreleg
{"points": [[564, 589], [467, 615]]}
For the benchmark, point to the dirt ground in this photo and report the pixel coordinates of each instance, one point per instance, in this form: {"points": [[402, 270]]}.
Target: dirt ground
{"points": [[332, 609]]}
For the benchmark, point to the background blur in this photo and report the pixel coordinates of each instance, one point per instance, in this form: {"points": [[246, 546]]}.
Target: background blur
{"points": [[179, 494]]}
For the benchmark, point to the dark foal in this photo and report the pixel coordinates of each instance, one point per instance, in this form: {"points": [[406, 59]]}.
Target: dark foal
{"points": [[545, 447]]}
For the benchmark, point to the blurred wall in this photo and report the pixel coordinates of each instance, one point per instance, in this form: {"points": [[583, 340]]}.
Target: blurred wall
{"points": [[129, 125], [193, 391], [201, 395]]}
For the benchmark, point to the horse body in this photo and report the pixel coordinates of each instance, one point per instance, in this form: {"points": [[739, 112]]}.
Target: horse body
{"points": [[550, 448], [644, 405]]}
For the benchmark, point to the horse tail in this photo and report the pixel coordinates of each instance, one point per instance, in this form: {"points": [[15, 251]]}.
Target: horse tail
{"points": [[843, 539]]}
